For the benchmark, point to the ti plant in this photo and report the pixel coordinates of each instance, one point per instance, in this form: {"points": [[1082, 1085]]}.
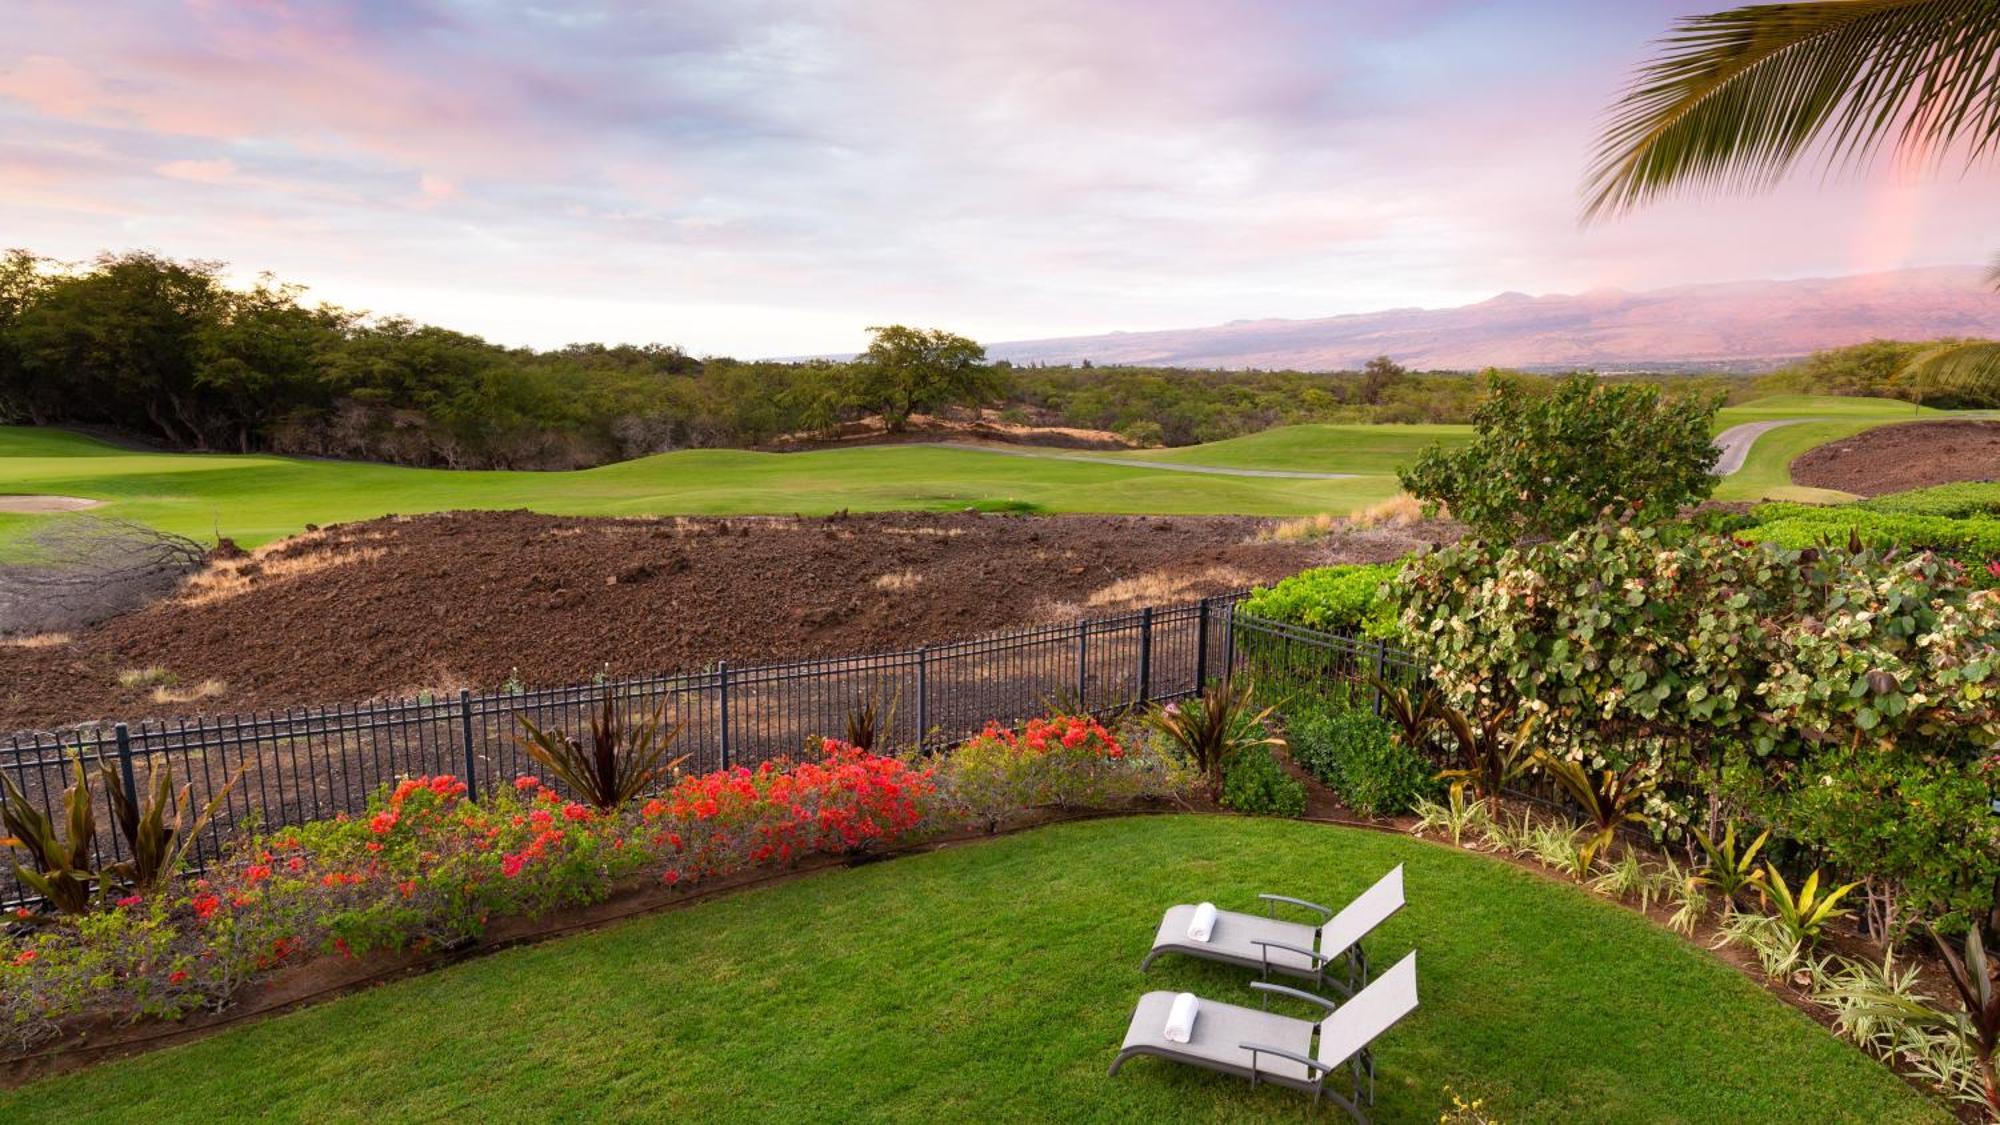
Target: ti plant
{"points": [[58, 861], [1413, 712], [1976, 977], [1490, 754], [867, 722], [1729, 872], [1804, 915], [623, 757], [1215, 726], [154, 837], [1609, 798]]}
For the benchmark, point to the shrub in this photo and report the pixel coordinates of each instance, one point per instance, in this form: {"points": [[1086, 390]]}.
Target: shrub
{"points": [[1337, 599], [1962, 500], [1545, 465], [1358, 756], [1213, 727], [1068, 761], [1973, 539], [1254, 781]]}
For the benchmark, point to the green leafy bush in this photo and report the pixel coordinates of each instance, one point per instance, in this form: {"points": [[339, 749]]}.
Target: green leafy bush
{"points": [[1955, 501], [1338, 599], [1357, 755], [1973, 539], [1545, 465], [1253, 781]]}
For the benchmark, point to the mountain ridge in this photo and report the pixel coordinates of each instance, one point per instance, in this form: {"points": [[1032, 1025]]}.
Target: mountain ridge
{"points": [[1727, 326]]}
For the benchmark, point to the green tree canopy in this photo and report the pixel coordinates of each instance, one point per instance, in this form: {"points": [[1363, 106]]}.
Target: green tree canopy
{"points": [[1545, 465], [909, 370]]}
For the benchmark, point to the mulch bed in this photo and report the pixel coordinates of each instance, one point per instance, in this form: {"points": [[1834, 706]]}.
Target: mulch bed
{"points": [[1903, 456], [470, 599]]}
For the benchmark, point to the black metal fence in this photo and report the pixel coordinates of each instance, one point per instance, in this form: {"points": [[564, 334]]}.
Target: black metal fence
{"points": [[304, 764]]}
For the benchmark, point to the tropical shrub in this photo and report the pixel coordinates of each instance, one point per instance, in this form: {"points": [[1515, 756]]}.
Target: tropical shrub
{"points": [[1962, 500], [1254, 781], [1066, 761], [1213, 727], [1357, 754], [1973, 539], [1545, 465], [1804, 914], [623, 757], [1337, 599]]}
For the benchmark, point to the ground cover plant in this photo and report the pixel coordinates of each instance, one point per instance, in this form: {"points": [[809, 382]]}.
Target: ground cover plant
{"points": [[1337, 599], [994, 981]]}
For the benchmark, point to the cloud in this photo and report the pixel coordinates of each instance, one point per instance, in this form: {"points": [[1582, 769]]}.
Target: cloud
{"points": [[754, 171], [198, 171]]}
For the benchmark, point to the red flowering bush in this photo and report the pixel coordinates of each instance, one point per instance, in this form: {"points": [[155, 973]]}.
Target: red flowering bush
{"points": [[848, 800], [1068, 761]]}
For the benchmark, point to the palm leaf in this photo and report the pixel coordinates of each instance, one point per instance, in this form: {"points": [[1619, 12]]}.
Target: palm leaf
{"points": [[1735, 99], [1966, 370]]}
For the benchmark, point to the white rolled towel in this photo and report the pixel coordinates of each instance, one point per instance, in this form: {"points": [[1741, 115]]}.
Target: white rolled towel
{"points": [[1203, 922], [1180, 1017]]}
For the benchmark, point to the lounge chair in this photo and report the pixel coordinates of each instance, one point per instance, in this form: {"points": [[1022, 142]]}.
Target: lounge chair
{"points": [[1268, 1047], [1268, 943]]}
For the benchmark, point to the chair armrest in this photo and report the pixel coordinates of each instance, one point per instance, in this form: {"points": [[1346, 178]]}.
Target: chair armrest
{"points": [[1255, 1049], [1297, 994], [1317, 960], [1274, 899]]}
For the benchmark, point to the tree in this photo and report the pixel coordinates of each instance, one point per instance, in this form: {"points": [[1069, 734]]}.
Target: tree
{"points": [[1737, 98], [260, 355], [908, 370], [1543, 466], [1377, 376]]}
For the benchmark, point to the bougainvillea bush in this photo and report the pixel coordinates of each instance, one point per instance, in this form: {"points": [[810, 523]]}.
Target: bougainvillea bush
{"points": [[425, 867], [1066, 761]]}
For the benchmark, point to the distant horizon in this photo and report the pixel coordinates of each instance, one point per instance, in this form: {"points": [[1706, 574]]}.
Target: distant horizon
{"points": [[772, 180]]}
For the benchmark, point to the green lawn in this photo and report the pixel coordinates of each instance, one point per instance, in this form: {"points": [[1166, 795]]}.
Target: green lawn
{"points": [[994, 981], [253, 499], [257, 498]]}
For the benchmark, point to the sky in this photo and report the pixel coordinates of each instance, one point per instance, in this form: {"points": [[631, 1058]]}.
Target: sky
{"points": [[771, 177]]}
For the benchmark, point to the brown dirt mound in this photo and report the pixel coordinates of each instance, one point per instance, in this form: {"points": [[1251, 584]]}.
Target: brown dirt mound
{"points": [[1904, 456], [393, 606]]}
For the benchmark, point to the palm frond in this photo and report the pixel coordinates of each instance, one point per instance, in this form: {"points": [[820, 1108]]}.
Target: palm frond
{"points": [[1736, 98], [1993, 273], [1959, 372]]}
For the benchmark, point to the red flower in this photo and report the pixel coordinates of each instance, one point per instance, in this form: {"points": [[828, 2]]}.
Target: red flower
{"points": [[510, 866], [382, 822], [129, 900], [25, 956], [574, 811], [525, 782], [257, 872], [177, 976], [205, 905]]}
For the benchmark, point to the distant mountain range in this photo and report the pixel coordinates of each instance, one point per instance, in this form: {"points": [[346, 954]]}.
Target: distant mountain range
{"points": [[1733, 326]]}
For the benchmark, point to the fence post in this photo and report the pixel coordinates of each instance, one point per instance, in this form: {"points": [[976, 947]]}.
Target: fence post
{"points": [[1381, 654], [1145, 655], [1201, 646], [465, 733], [1229, 644], [923, 693], [1082, 666], [124, 735], [722, 677]]}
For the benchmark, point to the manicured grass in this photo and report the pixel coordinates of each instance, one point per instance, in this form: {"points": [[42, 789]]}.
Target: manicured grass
{"points": [[253, 499], [994, 981], [257, 498]]}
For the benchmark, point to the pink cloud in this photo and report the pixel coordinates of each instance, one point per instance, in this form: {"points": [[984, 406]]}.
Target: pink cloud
{"points": [[198, 171]]}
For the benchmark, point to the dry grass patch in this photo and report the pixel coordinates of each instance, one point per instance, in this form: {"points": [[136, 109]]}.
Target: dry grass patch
{"points": [[230, 578], [1160, 587], [144, 677], [207, 689], [900, 581], [1400, 510], [36, 640]]}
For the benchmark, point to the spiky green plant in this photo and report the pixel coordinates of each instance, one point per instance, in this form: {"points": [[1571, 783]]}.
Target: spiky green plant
{"points": [[58, 861], [1609, 798], [154, 837], [623, 757], [1728, 872], [1806, 914], [1414, 712], [868, 720], [1215, 726]]}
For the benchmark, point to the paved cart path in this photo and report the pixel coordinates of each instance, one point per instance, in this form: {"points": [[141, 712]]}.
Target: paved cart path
{"points": [[1735, 442]]}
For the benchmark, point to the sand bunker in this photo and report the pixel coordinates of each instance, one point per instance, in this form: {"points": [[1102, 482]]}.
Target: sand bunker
{"points": [[33, 504]]}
